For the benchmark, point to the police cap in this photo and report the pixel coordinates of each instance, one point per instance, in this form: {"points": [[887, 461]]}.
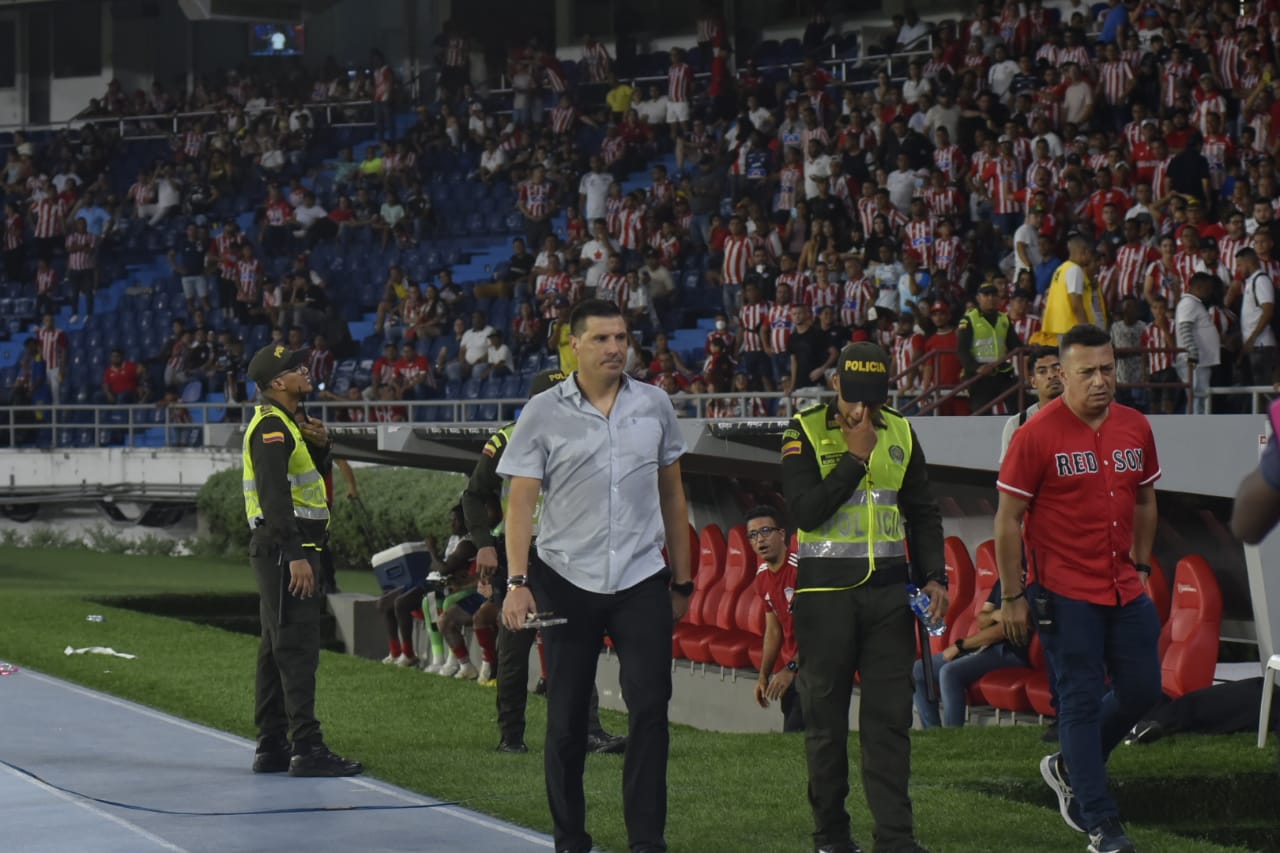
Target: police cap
{"points": [[270, 361], [545, 380], [864, 373]]}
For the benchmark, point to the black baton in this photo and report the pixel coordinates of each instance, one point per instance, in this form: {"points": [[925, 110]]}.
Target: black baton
{"points": [[926, 659]]}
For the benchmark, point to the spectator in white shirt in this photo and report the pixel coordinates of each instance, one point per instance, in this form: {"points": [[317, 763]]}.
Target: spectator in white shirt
{"points": [[473, 348], [498, 358], [597, 251], [493, 160], [1198, 339], [901, 183], [913, 29], [1256, 310], [817, 168], [1001, 73], [915, 85], [593, 190], [653, 110], [1026, 243], [1077, 100]]}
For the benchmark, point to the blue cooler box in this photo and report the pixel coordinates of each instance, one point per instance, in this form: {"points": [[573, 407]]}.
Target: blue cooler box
{"points": [[404, 565]]}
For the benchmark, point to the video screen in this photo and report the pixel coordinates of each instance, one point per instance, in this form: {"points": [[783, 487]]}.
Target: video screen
{"points": [[277, 40]]}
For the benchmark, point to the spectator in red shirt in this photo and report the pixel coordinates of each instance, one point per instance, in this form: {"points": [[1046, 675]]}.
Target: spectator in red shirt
{"points": [[120, 379], [942, 371], [776, 583], [1085, 578]]}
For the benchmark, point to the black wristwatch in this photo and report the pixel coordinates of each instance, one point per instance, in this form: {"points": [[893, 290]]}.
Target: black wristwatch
{"points": [[517, 581], [685, 589], [1145, 568], [793, 666]]}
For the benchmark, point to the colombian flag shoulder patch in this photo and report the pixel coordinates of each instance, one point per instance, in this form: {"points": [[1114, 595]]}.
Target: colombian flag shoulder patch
{"points": [[273, 438], [790, 448]]}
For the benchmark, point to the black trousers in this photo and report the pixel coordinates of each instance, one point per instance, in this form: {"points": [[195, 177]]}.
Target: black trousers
{"points": [[639, 621], [513, 685], [288, 651], [868, 630], [987, 388]]}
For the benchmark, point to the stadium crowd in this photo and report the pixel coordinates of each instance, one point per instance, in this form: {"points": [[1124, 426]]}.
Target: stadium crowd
{"points": [[810, 203]]}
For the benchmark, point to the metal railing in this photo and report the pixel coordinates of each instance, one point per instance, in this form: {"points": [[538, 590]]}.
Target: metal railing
{"points": [[163, 125], [1260, 396]]}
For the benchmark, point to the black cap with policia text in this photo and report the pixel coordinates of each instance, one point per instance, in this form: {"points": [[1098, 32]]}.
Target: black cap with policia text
{"points": [[272, 360], [864, 373]]}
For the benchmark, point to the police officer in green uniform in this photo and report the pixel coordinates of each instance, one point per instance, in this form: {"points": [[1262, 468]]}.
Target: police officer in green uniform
{"points": [[985, 335], [855, 483], [513, 646], [284, 500]]}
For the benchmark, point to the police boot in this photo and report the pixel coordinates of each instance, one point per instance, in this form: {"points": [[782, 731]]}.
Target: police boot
{"points": [[272, 755], [316, 760]]}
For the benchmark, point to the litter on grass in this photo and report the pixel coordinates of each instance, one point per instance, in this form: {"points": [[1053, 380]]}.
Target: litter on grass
{"points": [[98, 650]]}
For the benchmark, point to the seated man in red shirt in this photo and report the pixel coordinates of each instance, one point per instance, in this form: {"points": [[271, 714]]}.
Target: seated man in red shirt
{"points": [[120, 379], [776, 582]]}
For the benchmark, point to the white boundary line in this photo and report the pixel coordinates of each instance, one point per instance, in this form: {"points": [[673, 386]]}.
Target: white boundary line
{"points": [[452, 811], [97, 812]]}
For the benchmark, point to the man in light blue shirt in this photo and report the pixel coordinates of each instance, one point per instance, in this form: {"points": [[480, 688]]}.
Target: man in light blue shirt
{"points": [[96, 216], [604, 452]]}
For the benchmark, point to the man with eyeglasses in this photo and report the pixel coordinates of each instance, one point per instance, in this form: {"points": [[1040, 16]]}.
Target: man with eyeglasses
{"points": [[286, 454], [1046, 381], [776, 583], [854, 478]]}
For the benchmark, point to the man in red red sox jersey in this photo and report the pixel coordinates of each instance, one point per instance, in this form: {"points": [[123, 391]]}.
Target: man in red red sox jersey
{"points": [[775, 582], [1085, 578]]}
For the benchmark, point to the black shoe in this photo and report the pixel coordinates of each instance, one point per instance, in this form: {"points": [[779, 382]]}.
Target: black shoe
{"points": [[1050, 734], [844, 847], [319, 761], [275, 761], [540, 689], [512, 746], [271, 756], [606, 743], [1147, 731], [1110, 837]]}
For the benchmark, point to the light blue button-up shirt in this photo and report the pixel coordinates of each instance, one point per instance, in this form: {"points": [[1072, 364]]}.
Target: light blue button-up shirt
{"points": [[601, 527]]}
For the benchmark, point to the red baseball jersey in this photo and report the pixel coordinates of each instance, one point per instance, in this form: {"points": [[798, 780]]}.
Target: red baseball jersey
{"points": [[1059, 464]]}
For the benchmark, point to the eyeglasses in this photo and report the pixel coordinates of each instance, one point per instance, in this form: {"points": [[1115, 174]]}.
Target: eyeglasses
{"points": [[301, 368], [761, 532]]}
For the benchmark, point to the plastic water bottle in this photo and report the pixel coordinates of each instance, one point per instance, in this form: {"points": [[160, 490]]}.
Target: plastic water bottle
{"points": [[919, 601]]}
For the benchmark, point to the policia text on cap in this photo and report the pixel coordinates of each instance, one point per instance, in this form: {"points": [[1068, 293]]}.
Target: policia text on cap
{"points": [[286, 455], [855, 482]]}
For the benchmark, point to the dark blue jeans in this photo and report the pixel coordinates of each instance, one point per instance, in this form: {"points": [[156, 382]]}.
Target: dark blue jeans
{"points": [[1094, 643], [954, 678]]}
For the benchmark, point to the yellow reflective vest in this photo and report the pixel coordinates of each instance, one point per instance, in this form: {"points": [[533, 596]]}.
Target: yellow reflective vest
{"points": [[988, 341], [306, 484], [1058, 317], [868, 525]]}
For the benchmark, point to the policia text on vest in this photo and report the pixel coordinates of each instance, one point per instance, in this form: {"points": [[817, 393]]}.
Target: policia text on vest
{"points": [[851, 610]]}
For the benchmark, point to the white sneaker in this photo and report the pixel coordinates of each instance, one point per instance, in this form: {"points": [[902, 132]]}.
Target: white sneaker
{"points": [[450, 668], [466, 672], [486, 673], [406, 660], [430, 663], [390, 659]]}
